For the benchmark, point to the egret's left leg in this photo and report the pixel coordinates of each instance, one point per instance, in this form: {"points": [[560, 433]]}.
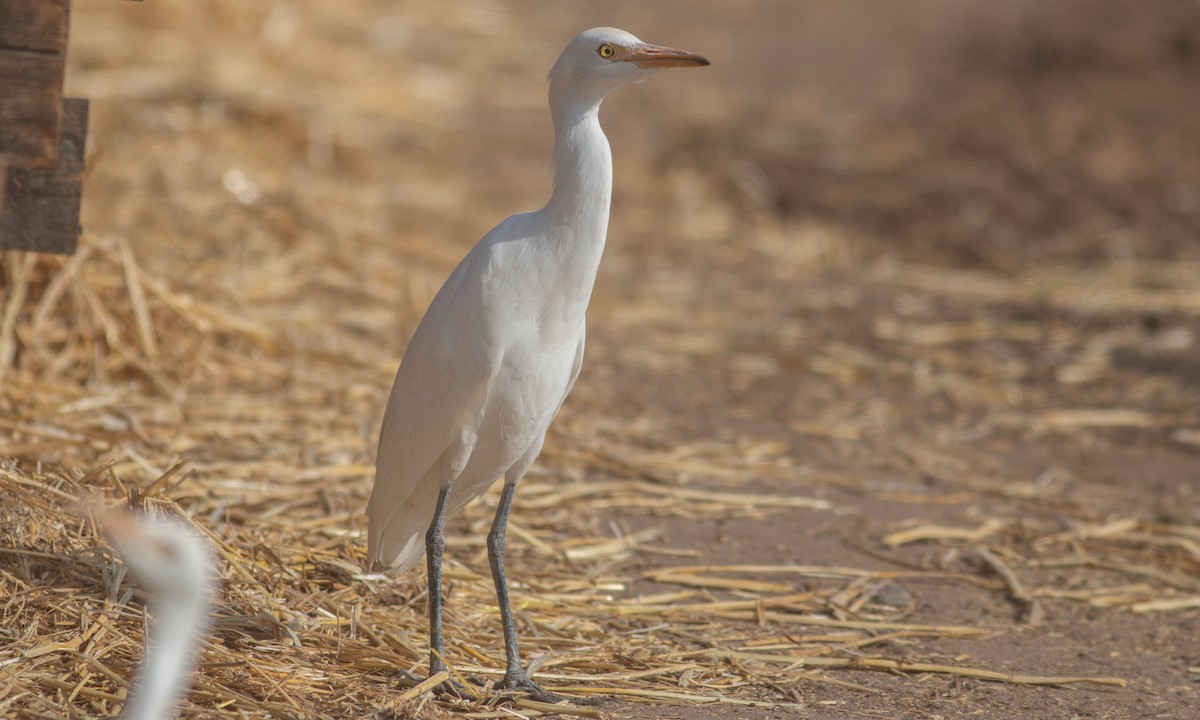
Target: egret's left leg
{"points": [[514, 673], [515, 677]]}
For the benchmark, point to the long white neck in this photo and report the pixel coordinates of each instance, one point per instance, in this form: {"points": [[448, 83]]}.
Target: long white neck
{"points": [[577, 214], [164, 673], [582, 168]]}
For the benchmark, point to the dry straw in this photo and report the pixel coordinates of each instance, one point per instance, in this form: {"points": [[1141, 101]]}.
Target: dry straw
{"points": [[97, 404], [263, 231]]}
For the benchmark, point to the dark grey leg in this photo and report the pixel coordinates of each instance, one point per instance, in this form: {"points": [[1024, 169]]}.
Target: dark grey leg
{"points": [[435, 546], [515, 677], [514, 673]]}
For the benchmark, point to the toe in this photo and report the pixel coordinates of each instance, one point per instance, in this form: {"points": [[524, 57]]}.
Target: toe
{"points": [[520, 682]]}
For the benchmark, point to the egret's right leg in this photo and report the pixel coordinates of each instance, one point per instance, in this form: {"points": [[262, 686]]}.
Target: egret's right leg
{"points": [[435, 546]]}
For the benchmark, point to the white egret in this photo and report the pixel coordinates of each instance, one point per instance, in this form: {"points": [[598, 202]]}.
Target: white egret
{"points": [[501, 345], [175, 567]]}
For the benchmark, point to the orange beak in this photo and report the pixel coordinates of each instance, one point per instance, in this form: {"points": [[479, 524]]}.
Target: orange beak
{"points": [[124, 533], [657, 56], [118, 525]]}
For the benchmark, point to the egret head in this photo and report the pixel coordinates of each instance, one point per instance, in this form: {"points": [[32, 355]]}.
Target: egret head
{"points": [[600, 60], [168, 558]]}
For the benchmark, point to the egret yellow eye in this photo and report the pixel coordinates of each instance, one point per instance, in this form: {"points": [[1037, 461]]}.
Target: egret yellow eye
{"points": [[606, 51]]}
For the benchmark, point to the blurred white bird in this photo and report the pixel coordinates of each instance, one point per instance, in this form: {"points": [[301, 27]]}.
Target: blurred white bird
{"points": [[173, 564], [501, 345]]}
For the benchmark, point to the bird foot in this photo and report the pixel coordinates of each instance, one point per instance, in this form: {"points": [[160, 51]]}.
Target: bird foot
{"points": [[447, 688], [518, 681]]}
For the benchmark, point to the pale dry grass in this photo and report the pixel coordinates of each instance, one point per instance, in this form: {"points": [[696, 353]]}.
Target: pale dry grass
{"points": [[275, 194]]}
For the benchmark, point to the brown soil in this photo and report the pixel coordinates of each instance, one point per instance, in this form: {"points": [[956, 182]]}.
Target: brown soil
{"points": [[1004, 140], [939, 261]]}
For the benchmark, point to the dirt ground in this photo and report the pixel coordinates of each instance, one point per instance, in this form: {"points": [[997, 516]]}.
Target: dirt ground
{"points": [[935, 264], [976, 143]]}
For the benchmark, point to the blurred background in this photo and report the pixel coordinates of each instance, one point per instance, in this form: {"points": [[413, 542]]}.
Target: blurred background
{"points": [[985, 133], [268, 147], [935, 261]]}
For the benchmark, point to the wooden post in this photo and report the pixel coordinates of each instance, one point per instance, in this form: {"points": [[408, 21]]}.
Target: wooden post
{"points": [[42, 209], [33, 56], [41, 134], [41, 160]]}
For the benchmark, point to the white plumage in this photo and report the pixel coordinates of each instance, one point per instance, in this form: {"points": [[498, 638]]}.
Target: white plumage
{"points": [[501, 345], [174, 565]]}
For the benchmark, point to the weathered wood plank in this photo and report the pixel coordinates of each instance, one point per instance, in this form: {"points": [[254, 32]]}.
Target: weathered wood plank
{"points": [[33, 51], [41, 211], [34, 25], [30, 107]]}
